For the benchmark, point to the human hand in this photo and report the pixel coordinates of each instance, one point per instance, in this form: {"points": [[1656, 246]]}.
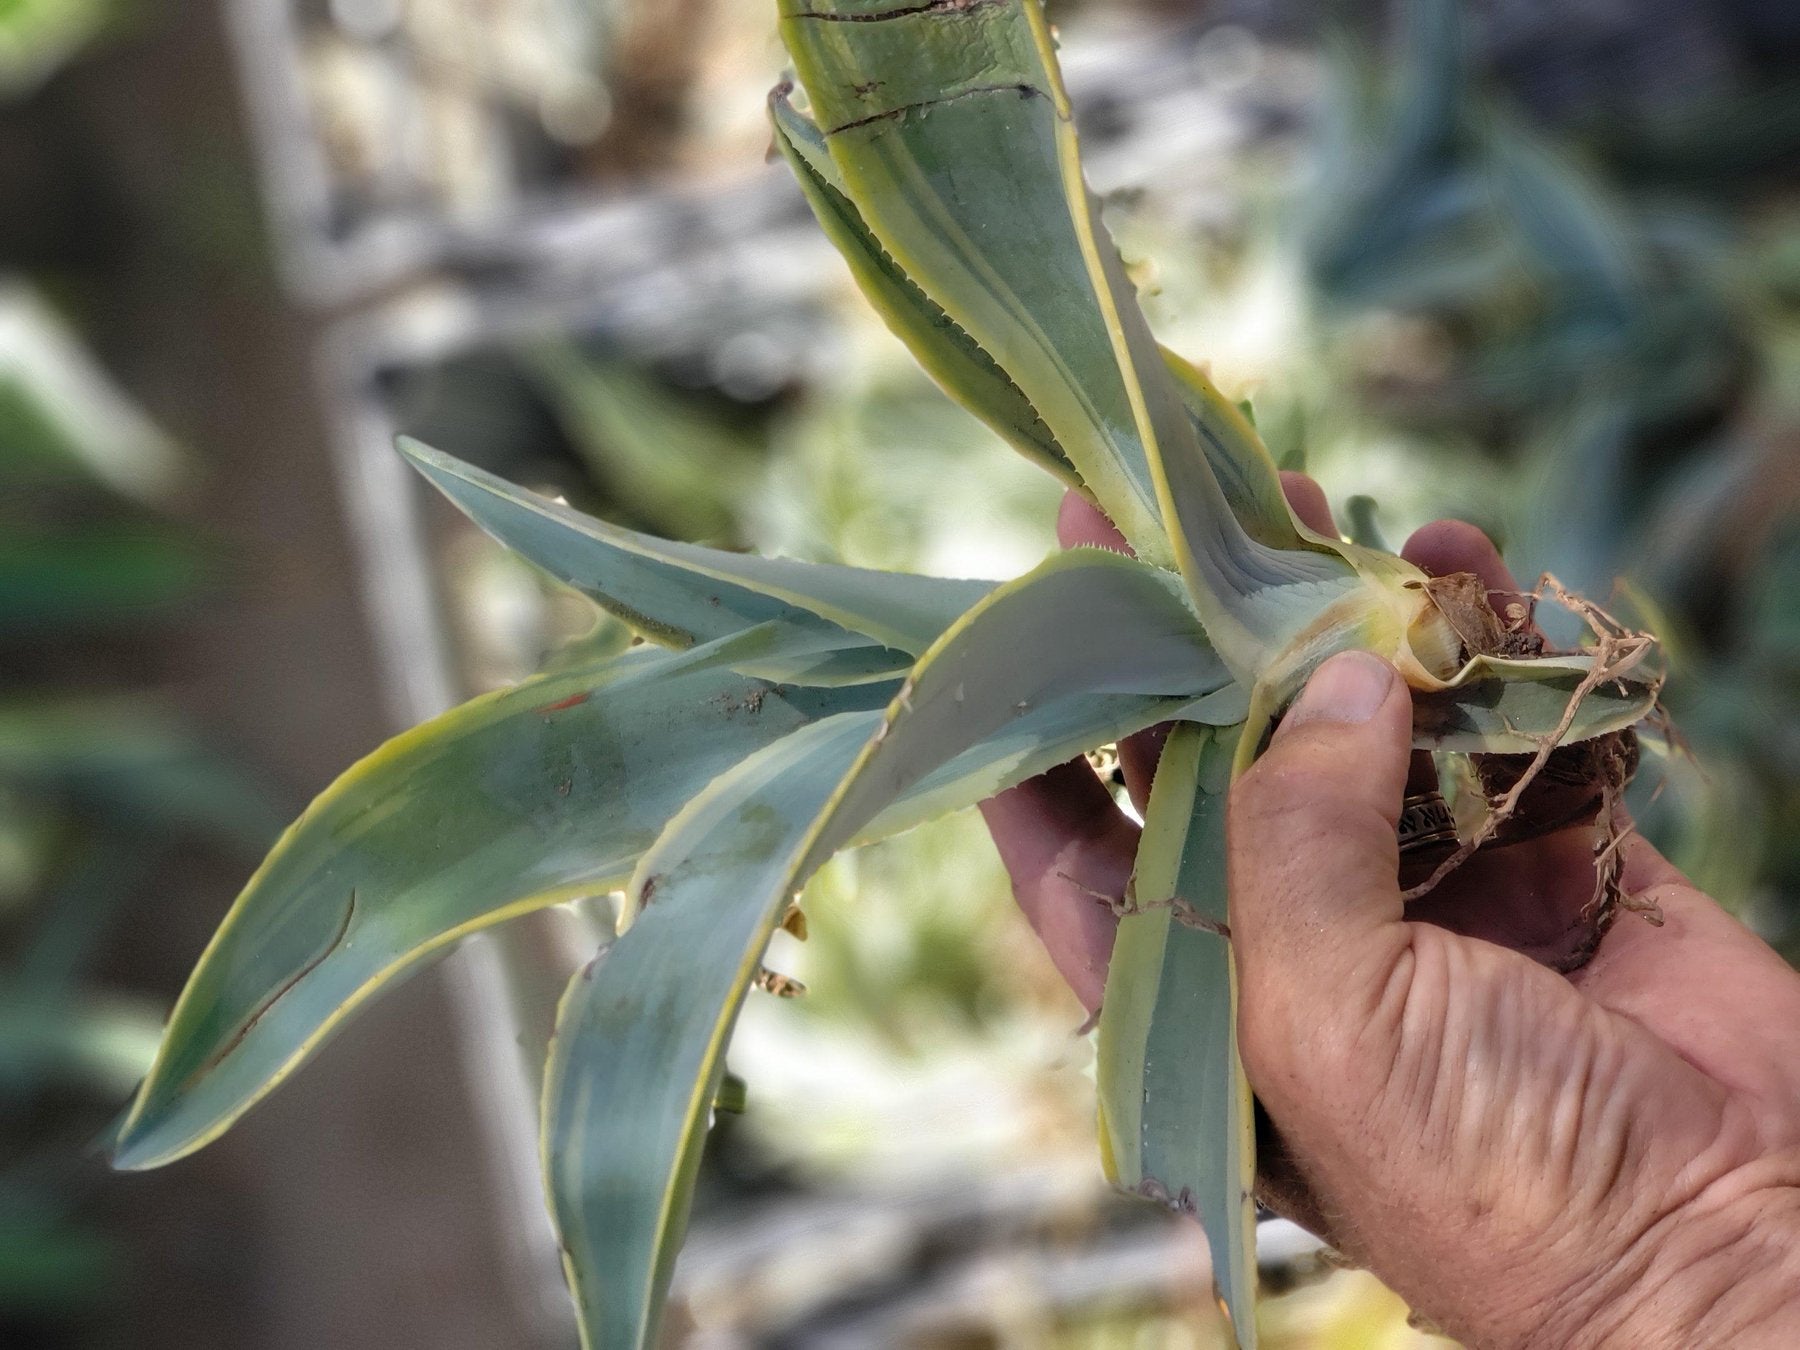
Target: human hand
{"points": [[1606, 1158]]}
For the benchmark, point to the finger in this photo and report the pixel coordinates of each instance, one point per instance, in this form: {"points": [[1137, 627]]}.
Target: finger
{"points": [[1311, 850], [1079, 522], [1068, 850], [1446, 546], [1308, 500], [1138, 756]]}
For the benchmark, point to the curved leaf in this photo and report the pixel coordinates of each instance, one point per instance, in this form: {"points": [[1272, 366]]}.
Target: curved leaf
{"points": [[951, 134], [948, 354], [130, 757], [1175, 1109], [537, 793], [1502, 706], [655, 452], [638, 1056], [1401, 217], [639, 1047], [1240, 462], [1246, 473], [679, 594]]}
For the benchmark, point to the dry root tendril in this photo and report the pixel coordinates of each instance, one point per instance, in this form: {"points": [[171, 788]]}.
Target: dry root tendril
{"points": [[1182, 910], [1616, 650], [781, 986]]}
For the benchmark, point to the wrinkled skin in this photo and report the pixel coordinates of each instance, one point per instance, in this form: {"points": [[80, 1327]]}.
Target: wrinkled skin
{"points": [[1608, 1158]]}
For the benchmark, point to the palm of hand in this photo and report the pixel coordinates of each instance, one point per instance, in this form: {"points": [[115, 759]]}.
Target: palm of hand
{"points": [[1584, 1136]]}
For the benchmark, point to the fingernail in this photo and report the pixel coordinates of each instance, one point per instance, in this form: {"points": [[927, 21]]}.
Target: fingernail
{"points": [[1347, 688]]}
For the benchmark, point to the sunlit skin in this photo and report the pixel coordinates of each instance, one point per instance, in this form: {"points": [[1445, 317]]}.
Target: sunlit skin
{"points": [[1608, 1158]]}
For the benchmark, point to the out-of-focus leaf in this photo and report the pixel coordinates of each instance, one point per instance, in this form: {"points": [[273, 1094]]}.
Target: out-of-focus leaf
{"points": [[685, 470], [1708, 819], [38, 36], [1773, 617], [1571, 233], [57, 406], [1572, 515], [542, 792], [639, 1048], [679, 594], [1362, 517], [100, 1044], [72, 912], [93, 576], [30, 832], [1402, 218], [127, 757], [1175, 1109], [49, 1265]]}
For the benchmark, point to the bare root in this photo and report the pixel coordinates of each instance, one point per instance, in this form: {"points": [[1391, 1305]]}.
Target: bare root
{"points": [[1617, 649]]}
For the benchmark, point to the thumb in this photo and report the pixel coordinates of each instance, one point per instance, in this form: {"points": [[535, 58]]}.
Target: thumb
{"points": [[1312, 855]]}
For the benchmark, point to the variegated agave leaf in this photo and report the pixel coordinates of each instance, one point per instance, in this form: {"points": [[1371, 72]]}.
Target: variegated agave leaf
{"points": [[523, 798], [542, 792], [1175, 1109], [639, 1045], [938, 152], [678, 594]]}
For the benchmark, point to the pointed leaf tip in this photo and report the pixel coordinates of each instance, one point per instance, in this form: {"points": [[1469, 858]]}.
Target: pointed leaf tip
{"points": [[678, 594]]}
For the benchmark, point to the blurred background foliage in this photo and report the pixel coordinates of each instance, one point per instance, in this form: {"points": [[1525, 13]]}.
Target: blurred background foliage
{"points": [[1534, 266], [101, 785]]}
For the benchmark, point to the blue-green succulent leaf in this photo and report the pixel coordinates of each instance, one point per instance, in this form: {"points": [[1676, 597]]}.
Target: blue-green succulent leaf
{"points": [[1175, 1109], [679, 594], [640, 1045], [546, 791]]}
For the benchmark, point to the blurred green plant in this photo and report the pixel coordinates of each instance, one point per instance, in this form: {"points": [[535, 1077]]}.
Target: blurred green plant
{"points": [[38, 36], [779, 711], [661, 456], [97, 788], [1583, 348], [1616, 338]]}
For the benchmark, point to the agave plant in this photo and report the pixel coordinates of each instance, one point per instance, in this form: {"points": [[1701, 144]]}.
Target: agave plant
{"points": [[777, 712]]}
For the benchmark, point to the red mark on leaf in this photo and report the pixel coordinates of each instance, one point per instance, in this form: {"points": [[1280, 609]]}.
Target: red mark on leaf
{"points": [[572, 701]]}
